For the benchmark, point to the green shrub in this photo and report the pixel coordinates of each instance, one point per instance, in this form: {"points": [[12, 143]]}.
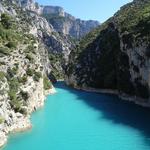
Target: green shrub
{"points": [[23, 111], [16, 105], [17, 65], [55, 57], [30, 49], [4, 50], [57, 73], [30, 57], [6, 35], [24, 95], [2, 75], [11, 44], [1, 119], [23, 79], [37, 76], [6, 21], [15, 101], [9, 36], [47, 83], [2, 34], [12, 95], [14, 84], [10, 73], [15, 70], [13, 89], [30, 72]]}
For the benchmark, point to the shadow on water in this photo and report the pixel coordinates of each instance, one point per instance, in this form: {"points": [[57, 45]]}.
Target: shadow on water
{"points": [[116, 110]]}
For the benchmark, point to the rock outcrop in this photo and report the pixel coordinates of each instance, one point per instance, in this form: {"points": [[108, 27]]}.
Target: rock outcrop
{"points": [[116, 56], [24, 67], [57, 29], [60, 20], [66, 23]]}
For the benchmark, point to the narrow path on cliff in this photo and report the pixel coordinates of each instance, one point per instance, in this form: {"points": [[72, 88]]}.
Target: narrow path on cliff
{"points": [[77, 120]]}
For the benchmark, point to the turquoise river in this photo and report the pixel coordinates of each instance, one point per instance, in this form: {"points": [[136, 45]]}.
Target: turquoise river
{"points": [[77, 120]]}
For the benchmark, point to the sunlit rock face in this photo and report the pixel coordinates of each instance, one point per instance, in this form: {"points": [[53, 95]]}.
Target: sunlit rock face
{"points": [[66, 23], [60, 20], [28, 41]]}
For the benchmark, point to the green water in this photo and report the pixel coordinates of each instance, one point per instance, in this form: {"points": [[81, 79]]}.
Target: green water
{"points": [[76, 120]]}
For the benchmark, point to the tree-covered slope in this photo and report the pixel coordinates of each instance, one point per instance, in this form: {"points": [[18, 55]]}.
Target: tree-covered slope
{"points": [[116, 55]]}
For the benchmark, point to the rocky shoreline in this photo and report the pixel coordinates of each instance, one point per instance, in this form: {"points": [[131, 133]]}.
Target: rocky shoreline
{"points": [[137, 100], [22, 123]]}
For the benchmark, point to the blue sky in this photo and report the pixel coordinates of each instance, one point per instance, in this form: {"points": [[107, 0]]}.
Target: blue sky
{"points": [[99, 10]]}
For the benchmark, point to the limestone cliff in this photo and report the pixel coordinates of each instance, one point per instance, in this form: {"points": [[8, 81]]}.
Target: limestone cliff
{"points": [[60, 20], [31, 51], [66, 23], [24, 67], [58, 31], [116, 56]]}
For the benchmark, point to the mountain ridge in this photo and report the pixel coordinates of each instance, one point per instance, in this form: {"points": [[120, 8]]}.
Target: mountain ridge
{"points": [[61, 21]]}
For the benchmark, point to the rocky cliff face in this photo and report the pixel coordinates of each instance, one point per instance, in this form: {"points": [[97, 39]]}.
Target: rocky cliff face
{"points": [[57, 29], [60, 20], [24, 66], [116, 56], [31, 50], [67, 24], [53, 10]]}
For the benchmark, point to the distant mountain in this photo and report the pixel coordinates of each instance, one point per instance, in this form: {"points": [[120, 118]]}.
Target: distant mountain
{"points": [[60, 20], [66, 23]]}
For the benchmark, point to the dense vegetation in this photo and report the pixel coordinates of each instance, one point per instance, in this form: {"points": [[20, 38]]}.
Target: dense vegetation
{"points": [[14, 35], [57, 61], [47, 83], [1, 120], [102, 58], [9, 36]]}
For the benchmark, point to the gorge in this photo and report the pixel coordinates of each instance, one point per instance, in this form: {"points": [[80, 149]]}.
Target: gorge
{"points": [[42, 44], [73, 119], [32, 51]]}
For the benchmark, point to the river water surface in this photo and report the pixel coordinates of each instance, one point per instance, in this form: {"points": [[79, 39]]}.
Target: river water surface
{"points": [[77, 120]]}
